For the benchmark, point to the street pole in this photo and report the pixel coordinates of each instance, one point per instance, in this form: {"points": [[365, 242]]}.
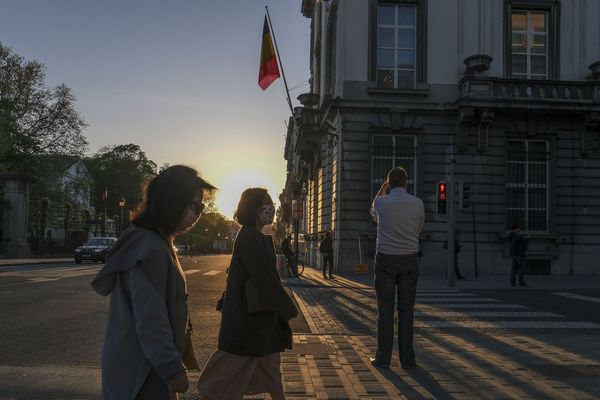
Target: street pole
{"points": [[474, 237], [451, 231]]}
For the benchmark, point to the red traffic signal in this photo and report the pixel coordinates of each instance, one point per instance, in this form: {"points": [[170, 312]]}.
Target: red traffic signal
{"points": [[441, 198]]}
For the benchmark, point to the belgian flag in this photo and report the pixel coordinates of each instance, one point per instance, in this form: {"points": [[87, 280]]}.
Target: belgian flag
{"points": [[269, 71]]}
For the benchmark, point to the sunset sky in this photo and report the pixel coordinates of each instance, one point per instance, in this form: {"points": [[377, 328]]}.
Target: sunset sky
{"points": [[179, 78]]}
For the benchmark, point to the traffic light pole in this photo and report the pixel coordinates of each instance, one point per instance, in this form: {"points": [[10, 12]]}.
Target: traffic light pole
{"points": [[451, 232]]}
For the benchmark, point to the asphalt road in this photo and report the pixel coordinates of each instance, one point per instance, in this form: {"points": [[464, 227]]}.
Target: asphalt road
{"points": [[53, 324]]}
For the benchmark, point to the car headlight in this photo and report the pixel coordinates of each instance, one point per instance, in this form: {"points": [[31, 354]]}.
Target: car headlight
{"points": [[78, 250]]}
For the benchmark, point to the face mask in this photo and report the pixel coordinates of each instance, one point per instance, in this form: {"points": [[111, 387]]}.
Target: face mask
{"points": [[267, 214]]}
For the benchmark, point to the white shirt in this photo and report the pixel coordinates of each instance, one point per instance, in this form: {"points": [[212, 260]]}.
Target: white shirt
{"points": [[400, 217]]}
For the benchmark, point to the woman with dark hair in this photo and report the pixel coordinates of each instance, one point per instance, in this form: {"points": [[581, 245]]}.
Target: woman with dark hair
{"points": [[256, 312], [147, 346]]}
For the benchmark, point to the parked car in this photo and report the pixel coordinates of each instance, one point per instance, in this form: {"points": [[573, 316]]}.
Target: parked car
{"points": [[95, 249]]}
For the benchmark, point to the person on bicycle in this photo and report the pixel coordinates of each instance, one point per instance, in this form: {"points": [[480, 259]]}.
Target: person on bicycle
{"points": [[286, 249]]}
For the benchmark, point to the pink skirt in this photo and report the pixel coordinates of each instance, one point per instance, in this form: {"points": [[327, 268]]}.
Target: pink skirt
{"points": [[228, 376]]}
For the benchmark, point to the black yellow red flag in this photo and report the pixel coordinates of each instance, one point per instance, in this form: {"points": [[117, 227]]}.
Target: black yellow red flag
{"points": [[269, 71]]}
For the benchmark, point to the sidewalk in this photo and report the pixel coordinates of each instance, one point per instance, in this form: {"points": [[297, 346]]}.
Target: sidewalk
{"points": [[468, 347], [6, 262]]}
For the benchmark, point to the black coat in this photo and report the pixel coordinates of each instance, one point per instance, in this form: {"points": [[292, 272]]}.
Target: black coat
{"points": [[256, 334]]}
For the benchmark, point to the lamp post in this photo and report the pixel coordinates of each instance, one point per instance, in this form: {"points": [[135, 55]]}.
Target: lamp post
{"points": [[122, 206]]}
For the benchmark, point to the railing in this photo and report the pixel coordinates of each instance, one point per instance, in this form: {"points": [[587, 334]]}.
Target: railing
{"points": [[520, 89]]}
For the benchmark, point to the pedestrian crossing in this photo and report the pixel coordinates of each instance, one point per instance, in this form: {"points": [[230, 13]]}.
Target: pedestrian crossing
{"points": [[436, 309]]}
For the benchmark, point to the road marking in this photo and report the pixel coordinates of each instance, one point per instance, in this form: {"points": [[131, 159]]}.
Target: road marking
{"points": [[471, 305], [578, 297], [507, 324], [191, 271], [446, 299], [421, 294], [507, 314], [211, 273]]}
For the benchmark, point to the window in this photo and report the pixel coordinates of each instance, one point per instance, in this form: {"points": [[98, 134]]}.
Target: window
{"points": [[396, 45], [527, 185], [529, 50], [531, 34], [391, 151]]}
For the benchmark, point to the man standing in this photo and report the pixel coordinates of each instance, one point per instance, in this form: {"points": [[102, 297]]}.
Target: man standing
{"points": [[518, 251], [400, 218], [326, 250]]}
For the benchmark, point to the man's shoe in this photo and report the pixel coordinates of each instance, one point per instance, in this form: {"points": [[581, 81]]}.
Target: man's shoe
{"points": [[330, 277], [377, 364], [324, 277], [409, 365], [523, 284]]}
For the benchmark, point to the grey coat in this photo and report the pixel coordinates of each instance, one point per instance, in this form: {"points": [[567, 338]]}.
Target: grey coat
{"points": [[257, 334], [148, 314]]}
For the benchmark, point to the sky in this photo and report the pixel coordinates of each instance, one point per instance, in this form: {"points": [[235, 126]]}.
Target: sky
{"points": [[179, 78]]}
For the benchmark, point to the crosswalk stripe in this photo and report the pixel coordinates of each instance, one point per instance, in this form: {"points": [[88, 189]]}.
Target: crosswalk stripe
{"points": [[578, 297], [419, 295], [191, 271], [211, 273], [507, 314], [507, 324], [470, 305], [447, 299]]}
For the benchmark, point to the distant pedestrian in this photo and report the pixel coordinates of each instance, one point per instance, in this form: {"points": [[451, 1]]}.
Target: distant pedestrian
{"points": [[400, 218], [256, 312], [457, 247], [326, 250], [147, 345], [518, 251]]}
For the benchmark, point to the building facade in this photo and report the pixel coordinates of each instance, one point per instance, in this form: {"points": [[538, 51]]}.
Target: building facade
{"points": [[503, 94]]}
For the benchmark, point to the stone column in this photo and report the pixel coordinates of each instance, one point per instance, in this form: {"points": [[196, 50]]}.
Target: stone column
{"points": [[14, 232]]}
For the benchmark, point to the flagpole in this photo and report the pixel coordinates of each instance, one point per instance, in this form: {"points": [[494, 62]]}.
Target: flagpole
{"points": [[279, 59]]}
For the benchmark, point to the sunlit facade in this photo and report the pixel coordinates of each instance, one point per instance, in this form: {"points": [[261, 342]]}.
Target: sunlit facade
{"points": [[509, 89]]}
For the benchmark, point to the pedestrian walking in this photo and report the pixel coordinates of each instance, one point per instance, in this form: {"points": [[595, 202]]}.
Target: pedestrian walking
{"points": [[400, 218], [255, 314], [147, 345], [457, 247], [518, 251], [326, 250]]}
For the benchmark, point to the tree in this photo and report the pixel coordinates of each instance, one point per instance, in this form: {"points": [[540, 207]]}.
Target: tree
{"points": [[121, 170], [34, 119]]}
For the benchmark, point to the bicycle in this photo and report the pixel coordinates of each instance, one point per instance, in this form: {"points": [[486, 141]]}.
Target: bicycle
{"points": [[298, 262]]}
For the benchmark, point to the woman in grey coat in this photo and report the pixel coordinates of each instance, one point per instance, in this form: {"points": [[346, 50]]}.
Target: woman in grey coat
{"points": [[147, 335], [255, 324]]}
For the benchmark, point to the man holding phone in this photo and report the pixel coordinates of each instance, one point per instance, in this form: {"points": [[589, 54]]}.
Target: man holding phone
{"points": [[400, 217]]}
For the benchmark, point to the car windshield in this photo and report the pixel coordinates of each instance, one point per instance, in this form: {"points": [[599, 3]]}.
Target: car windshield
{"points": [[98, 242]]}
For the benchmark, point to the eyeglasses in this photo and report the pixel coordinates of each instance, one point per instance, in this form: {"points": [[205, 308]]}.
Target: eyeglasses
{"points": [[197, 207]]}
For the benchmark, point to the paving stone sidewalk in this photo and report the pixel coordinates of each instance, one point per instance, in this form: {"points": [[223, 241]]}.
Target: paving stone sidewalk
{"points": [[468, 347]]}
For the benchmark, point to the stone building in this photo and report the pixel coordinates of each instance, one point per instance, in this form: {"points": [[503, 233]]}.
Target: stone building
{"points": [[505, 94]]}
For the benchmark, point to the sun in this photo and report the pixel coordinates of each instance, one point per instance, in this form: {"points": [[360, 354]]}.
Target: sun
{"points": [[231, 187]]}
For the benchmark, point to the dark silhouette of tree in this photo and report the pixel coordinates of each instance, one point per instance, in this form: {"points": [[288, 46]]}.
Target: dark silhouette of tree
{"points": [[34, 119]]}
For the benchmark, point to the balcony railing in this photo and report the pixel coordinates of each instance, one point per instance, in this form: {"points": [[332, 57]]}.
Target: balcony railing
{"points": [[498, 89]]}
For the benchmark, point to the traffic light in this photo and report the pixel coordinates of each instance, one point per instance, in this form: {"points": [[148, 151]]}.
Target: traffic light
{"points": [[464, 194], [442, 199]]}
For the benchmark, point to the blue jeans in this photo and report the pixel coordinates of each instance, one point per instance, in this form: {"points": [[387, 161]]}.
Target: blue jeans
{"points": [[395, 276]]}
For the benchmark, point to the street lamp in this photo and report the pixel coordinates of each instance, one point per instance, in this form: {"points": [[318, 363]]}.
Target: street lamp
{"points": [[122, 206]]}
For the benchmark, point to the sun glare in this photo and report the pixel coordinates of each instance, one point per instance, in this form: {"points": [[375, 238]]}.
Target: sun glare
{"points": [[232, 186]]}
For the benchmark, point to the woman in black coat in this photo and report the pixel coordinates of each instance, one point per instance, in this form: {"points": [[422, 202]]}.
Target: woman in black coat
{"points": [[256, 312]]}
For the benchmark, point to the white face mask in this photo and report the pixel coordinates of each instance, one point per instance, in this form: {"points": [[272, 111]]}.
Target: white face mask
{"points": [[267, 214]]}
